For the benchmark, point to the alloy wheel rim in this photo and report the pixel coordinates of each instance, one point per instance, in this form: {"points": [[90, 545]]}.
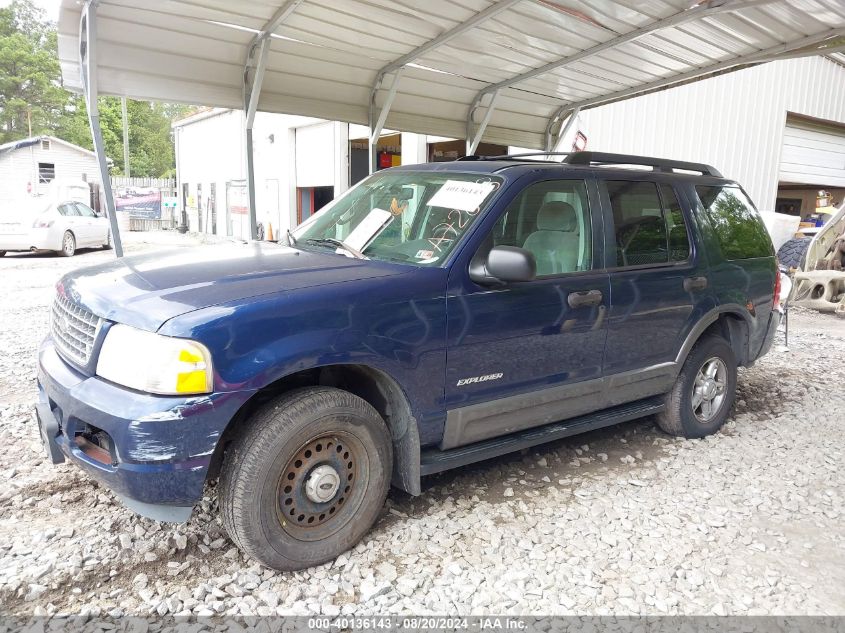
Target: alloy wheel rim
{"points": [[709, 389], [68, 243]]}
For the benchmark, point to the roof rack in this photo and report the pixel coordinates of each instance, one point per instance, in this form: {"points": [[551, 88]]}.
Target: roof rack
{"points": [[605, 158], [659, 164], [512, 156]]}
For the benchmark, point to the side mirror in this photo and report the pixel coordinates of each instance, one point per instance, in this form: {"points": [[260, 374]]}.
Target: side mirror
{"points": [[505, 264]]}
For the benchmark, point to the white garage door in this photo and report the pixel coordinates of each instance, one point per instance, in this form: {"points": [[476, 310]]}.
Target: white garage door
{"points": [[813, 154]]}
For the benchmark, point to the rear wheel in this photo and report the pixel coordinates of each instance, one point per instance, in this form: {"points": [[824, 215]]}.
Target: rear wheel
{"points": [[792, 253], [306, 479], [704, 392], [68, 245]]}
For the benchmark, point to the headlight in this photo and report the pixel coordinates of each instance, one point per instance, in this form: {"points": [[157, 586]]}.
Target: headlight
{"points": [[155, 363]]}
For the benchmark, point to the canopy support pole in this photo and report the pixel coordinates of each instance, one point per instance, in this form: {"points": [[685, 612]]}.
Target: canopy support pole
{"points": [[552, 139], [256, 61], [474, 139], [254, 66], [376, 126], [88, 77]]}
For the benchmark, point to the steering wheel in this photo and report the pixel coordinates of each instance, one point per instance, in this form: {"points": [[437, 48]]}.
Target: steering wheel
{"points": [[444, 231]]}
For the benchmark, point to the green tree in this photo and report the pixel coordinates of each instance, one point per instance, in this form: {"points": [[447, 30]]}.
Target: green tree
{"points": [[31, 95], [150, 138]]}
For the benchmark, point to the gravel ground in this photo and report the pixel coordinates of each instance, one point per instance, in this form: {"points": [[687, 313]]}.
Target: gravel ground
{"points": [[622, 521]]}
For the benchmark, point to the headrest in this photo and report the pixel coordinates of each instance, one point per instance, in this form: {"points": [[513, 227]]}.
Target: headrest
{"points": [[557, 216]]}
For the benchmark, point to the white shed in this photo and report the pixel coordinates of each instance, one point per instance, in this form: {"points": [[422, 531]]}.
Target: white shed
{"points": [[29, 165]]}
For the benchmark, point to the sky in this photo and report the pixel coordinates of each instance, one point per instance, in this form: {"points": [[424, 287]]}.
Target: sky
{"points": [[50, 6]]}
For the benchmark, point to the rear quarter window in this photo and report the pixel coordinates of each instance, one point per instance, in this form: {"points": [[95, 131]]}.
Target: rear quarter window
{"points": [[736, 223]]}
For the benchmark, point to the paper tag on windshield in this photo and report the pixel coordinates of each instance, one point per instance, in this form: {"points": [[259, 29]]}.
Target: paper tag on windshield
{"points": [[368, 229], [461, 195]]}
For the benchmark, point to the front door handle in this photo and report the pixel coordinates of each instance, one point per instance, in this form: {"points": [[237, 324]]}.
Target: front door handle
{"points": [[695, 283], [584, 298]]}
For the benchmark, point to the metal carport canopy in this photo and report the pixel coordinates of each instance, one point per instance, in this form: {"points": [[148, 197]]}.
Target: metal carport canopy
{"points": [[432, 66]]}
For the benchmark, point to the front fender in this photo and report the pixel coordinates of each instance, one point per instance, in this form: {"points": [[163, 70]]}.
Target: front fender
{"points": [[394, 325]]}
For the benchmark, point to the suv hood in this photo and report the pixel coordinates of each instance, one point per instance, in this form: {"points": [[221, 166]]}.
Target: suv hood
{"points": [[146, 290]]}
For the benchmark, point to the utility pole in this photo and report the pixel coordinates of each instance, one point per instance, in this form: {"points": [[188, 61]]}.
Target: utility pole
{"points": [[125, 138]]}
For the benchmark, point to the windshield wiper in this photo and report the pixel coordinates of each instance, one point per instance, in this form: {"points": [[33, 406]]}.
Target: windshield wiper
{"points": [[338, 243]]}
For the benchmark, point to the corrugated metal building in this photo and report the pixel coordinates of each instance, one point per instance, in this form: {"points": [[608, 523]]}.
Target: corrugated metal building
{"points": [[778, 128]]}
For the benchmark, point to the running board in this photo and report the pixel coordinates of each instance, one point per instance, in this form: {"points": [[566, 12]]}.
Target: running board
{"points": [[434, 461]]}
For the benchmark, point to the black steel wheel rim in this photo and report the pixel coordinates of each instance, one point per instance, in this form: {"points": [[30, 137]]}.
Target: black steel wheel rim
{"points": [[300, 514]]}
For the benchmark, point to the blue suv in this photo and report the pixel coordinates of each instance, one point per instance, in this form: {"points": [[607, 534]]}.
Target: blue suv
{"points": [[432, 316]]}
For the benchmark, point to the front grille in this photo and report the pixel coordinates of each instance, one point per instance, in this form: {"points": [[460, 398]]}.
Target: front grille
{"points": [[74, 330]]}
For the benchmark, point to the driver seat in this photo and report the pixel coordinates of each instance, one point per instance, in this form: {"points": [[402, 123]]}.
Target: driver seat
{"points": [[555, 242]]}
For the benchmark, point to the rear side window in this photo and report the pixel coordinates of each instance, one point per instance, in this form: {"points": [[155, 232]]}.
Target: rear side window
{"points": [[738, 226], [85, 210], [68, 210], [648, 225]]}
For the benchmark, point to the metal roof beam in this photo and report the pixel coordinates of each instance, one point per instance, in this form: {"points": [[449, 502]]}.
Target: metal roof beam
{"points": [[697, 13], [701, 11], [482, 16], [281, 14], [781, 51]]}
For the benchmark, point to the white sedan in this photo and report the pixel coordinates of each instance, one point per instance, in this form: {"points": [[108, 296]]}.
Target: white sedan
{"points": [[45, 225]]}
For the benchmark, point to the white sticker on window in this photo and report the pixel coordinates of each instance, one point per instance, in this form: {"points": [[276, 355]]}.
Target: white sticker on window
{"points": [[368, 229], [461, 195]]}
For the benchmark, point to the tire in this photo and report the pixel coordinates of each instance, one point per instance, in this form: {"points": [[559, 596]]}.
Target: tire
{"points": [[683, 417], [287, 452], [792, 253], [108, 244], [68, 245]]}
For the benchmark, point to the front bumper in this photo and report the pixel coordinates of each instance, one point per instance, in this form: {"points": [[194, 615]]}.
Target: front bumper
{"points": [[157, 449]]}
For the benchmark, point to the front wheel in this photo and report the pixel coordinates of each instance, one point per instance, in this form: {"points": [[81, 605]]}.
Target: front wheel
{"points": [[68, 245], [108, 243], [306, 479], [704, 392]]}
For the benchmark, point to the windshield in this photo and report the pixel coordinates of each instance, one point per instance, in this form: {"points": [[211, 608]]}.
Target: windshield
{"points": [[401, 216]]}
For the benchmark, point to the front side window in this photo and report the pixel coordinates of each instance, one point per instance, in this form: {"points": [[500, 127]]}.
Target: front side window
{"points": [[68, 210], [401, 216], [551, 220], [678, 237], [648, 229], [738, 226]]}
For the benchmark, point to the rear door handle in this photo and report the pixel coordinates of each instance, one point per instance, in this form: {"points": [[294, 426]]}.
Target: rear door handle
{"points": [[584, 298], [695, 283]]}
